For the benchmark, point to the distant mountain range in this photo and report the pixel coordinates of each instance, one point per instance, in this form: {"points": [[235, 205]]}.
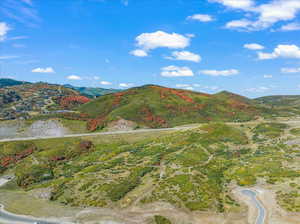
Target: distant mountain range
{"points": [[10, 82], [90, 92], [146, 106]]}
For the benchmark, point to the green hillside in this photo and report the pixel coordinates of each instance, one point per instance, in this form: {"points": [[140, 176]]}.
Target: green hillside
{"points": [[10, 82], [156, 106], [285, 105]]}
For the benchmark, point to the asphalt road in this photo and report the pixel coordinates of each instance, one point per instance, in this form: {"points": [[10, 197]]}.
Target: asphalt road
{"points": [[261, 209]]}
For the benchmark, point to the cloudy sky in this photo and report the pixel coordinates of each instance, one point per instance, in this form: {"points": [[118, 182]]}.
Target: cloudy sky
{"points": [[250, 47]]}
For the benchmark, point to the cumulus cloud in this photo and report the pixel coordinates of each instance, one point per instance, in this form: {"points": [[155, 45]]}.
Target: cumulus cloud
{"points": [[229, 72], [139, 53], [260, 89], [201, 18], [290, 27], [254, 46], [184, 56], [4, 28], [238, 4], [126, 85], [281, 51], [43, 70], [175, 71], [265, 15], [268, 76], [74, 77], [105, 83], [290, 70], [238, 24], [185, 86], [149, 41]]}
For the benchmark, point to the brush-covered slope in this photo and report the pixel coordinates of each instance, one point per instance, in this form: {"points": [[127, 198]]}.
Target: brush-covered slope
{"points": [[194, 169], [155, 106], [285, 105]]}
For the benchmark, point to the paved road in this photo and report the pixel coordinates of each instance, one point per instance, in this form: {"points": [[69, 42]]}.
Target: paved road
{"points": [[95, 134], [261, 209], [10, 218]]}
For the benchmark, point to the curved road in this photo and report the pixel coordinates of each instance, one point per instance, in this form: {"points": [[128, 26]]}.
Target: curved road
{"points": [[261, 209], [10, 218]]}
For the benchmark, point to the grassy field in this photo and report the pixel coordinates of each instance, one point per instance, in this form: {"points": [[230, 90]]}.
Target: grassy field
{"points": [[191, 169]]}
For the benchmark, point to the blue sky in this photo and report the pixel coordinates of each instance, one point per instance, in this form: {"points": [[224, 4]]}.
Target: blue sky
{"points": [[244, 46]]}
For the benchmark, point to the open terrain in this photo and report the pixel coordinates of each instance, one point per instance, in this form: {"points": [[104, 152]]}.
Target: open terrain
{"points": [[185, 176]]}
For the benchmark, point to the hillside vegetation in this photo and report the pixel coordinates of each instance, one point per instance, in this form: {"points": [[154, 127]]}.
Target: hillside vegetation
{"points": [[155, 106], [191, 169], [285, 105]]}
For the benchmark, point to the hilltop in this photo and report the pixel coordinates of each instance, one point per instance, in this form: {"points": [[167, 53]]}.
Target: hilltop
{"points": [[29, 100], [285, 104], [157, 106], [10, 82]]}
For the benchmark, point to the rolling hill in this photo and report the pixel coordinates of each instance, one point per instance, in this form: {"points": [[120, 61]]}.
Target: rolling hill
{"points": [[32, 99], [10, 82], [285, 105], [156, 106]]}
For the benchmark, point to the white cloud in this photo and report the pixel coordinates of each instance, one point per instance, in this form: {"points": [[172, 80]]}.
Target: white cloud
{"points": [[22, 11], [268, 76], [139, 53], [18, 38], [96, 77], [201, 17], [74, 77], [43, 70], [260, 89], [126, 85], [281, 51], [229, 72], [239, 4], [265, 15], [254, 46], [237, 24], [175, 71], [290, 70], [149, 41], [19, 45], [290, 27], [4, 28], [7, 57], [185, 86], [184, 56], [105, 83], [182, 85]]}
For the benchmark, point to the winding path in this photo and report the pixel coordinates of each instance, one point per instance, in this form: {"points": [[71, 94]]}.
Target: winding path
{"points": [[261, 209]]}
